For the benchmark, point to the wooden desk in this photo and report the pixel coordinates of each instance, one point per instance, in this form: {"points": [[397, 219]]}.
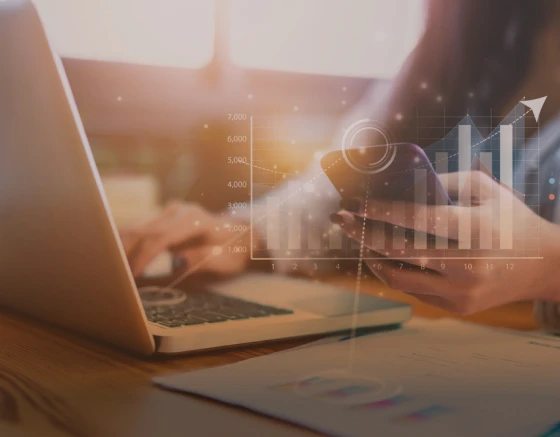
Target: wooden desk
{"points": [[55, 384]]}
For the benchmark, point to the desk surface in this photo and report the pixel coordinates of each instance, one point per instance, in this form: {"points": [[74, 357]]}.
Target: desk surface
{"points": [[55, 384]]}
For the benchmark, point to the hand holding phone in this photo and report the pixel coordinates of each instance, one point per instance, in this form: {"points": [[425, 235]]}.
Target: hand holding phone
{"points": [[399, 175]]}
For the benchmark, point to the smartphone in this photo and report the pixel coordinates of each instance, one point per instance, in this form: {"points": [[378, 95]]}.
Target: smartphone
{"points": [[396, 172], [390, 172]]}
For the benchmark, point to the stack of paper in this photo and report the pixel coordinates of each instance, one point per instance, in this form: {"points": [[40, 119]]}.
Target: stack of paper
{"points": [[429, 378]]}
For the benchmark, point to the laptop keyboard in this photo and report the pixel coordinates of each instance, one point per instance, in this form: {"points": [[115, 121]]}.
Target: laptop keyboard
{"points": [[206, 307]]}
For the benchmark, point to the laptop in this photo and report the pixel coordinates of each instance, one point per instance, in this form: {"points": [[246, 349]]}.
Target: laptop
{"points": [[61, 259]]}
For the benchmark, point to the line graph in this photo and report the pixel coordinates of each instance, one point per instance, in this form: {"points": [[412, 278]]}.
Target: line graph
{"points": [[298, 229]]}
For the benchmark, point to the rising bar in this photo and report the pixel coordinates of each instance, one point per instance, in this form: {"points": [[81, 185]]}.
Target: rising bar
{"points": [[442, 167], [377, 235], [314, 234], [485, 227], [272, 223], [398, 231], [420, 203], [335, 238], [294, 220], [464, 198], [506, 178]]}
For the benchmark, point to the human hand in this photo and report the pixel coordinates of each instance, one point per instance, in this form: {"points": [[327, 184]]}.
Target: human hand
{"points": [[468, 284], [205, 241]]}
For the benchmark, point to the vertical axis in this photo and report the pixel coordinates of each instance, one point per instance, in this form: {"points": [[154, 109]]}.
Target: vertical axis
{"points": [[251, 180]]}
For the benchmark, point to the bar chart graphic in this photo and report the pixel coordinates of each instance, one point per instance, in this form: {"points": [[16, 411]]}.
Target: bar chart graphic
{"points": [[290, 211]]}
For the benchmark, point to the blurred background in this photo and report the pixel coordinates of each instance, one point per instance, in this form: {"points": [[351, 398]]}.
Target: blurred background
{"points": [[155, 82]]}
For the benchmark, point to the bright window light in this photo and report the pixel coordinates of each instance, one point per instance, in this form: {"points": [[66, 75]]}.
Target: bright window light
{"points": [[178, 33], [364, 38]]}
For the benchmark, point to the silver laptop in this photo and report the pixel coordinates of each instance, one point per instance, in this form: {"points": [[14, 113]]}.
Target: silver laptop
{"points": [[61, 259]]}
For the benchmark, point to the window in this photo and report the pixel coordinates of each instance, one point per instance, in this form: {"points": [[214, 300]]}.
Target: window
{"points": [[169, 32], [367, 38]]}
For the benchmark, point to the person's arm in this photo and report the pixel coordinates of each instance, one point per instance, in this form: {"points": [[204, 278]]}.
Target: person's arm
{"points": [[447, 282], [547, 312]]}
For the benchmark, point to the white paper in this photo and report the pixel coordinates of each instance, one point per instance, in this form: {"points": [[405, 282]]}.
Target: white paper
{"points": [[430, 378]]}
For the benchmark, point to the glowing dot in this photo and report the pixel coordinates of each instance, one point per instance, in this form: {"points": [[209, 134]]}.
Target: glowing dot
{"points": [[217, 251], [119, 99], [274, 167], [217, 229], [551, 181], [399, 116], [439, 98], [296, 108], [293, 141], [362, 150], [342, 190], [471, 95], [552, 197], [344, 103], [344, 88], [197, 223], [227, 225], [417, 159], [424, 85], [250, 96], [309, 217], [205, 126], [283, 176]]}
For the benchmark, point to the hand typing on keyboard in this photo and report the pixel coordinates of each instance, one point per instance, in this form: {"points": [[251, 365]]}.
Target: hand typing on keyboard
{"points": [[204, 241], [206, 307]]}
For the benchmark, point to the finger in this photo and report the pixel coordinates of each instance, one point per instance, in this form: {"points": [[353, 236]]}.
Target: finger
{"points": [[133, 236], [175, 234], [436, 301], [380, 239], [409, 280], [129, 240], [215, 259], [440, 220]]}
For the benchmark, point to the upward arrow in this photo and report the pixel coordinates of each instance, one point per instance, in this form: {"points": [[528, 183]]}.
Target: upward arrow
{"points": [[535, 105]]}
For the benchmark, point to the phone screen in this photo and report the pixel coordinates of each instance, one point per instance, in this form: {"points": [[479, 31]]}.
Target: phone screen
{"points": [[399, 172]]}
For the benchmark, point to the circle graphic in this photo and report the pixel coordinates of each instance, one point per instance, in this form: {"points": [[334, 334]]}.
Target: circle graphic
{"points": [[345, 388], [360, 154], [160, 296]]}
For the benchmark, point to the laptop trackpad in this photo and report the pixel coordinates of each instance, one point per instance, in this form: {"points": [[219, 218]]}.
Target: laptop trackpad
{"points": [[341, 304]]}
